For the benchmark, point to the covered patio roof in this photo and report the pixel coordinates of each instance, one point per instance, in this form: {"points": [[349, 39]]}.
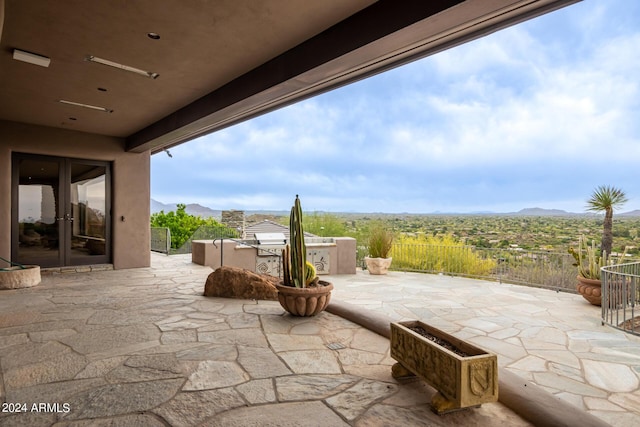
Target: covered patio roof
{"points": [[161, 73]]}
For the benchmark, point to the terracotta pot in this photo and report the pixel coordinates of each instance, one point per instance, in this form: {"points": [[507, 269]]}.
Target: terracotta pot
{"points": [[377, 265], [466, 378], [590, 289], [305, 301]]}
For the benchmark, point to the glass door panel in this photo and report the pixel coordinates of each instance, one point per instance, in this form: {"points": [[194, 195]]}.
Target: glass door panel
{"points": [[88, 213], [39, 212], [61, 211]]}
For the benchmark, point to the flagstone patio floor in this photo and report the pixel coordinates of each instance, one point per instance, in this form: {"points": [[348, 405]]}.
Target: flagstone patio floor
{"points": [[555, 340], [143, 347]]}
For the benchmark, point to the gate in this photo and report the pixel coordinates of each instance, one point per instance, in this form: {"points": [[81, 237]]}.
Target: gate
{"points": [[621, 297]]}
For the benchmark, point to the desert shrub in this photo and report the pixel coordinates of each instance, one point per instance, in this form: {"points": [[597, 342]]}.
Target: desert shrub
{"points": [[441, 253], [380, 241]]}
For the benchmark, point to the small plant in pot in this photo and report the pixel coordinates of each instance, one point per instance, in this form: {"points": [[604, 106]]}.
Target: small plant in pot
{"points": [[301, 293], [589, 263], [379, 245]]}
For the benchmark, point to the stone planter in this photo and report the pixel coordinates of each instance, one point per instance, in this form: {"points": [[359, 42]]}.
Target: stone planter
{"points": [[590, 289], [378, 265], [305, 301], [461, 380], [16, 277]]}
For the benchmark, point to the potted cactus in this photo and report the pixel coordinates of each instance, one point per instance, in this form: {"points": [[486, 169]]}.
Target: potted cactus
{"points": [[589, 264], [301, 292]]}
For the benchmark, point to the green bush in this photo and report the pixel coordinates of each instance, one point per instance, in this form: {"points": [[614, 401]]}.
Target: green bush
{"points": [[181, 224], [324, 225]]}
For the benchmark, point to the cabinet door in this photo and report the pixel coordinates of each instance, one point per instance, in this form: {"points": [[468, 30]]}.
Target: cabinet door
{"points": [[320, 260]]}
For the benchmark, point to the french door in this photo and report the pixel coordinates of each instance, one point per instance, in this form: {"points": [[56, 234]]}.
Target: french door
{"points": [[61, 211]]}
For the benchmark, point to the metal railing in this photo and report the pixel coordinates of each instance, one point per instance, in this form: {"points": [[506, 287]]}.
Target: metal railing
{"points": [[544, 269], [550, 270], [621, 296], [161, 238], [206, 233]]}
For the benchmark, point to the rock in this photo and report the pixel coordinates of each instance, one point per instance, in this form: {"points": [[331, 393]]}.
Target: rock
{"points": [[233, 282], [18, 277]]}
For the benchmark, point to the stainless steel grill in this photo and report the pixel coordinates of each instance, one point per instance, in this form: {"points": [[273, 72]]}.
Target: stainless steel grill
{"points": [[270, 244]]}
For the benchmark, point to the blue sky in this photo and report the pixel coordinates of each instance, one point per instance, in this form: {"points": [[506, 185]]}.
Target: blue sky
{"points": [[536, 115]]}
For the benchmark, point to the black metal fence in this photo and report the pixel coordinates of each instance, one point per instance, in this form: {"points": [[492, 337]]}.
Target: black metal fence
{"points": [[621, 296], [544, 269], [161, 238]]}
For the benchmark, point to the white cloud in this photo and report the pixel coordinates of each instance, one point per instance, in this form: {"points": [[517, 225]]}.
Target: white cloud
{"points": [[505, 122]]}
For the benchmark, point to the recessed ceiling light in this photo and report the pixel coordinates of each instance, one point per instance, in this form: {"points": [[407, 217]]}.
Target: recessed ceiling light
{"points": [[154, 36], [31, 58], [138, 71], [91, 107]]}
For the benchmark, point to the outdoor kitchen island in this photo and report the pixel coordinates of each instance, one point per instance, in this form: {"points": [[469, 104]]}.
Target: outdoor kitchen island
{"points": [[330, 255]]}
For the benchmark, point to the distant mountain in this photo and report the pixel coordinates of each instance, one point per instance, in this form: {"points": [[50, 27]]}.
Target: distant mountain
{"points": [[543, 212], [192, 209], [482, 213], [157, 206], [558, 212], [203, 211], [254, 215], [450, 213], [629, 214]]}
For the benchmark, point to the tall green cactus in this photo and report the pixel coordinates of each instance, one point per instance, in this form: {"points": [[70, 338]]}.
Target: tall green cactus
{"points": [[298, 255], [297, 271]]}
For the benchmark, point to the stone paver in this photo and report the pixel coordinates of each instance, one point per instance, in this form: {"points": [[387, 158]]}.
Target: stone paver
{"points": [[553, 339], [143, 347]]}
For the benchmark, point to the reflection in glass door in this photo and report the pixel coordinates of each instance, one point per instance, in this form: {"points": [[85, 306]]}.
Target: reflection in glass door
{"points": [[61, 213], [87, 208], [39, 210]]}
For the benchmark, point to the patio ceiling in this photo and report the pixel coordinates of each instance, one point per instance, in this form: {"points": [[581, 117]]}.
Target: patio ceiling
{"points": [[219, 62]]}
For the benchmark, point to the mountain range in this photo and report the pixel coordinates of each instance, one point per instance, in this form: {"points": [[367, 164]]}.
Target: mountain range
{"points": [[191, 209], [558, 212], [206, 212]]}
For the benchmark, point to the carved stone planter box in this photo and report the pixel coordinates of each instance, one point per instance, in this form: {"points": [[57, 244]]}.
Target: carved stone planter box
{"points": [[461, 380]]}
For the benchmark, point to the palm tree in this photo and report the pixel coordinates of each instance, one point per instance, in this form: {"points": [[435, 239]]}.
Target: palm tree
{"points": [[605, 198]]}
